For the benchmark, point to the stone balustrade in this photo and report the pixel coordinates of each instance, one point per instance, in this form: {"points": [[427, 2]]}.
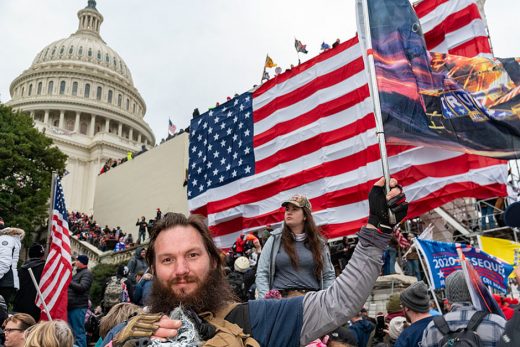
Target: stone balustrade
{"points": [[96, 256]]}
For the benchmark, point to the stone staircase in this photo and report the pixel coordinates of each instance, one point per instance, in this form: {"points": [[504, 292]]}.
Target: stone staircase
{"points": [[96, 256]]}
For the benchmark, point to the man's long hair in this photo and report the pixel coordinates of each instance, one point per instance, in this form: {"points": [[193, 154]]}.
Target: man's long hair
{"points": [[314, 242], [214, 293]]}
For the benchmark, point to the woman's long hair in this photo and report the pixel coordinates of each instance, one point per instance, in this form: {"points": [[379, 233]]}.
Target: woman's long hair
{"points": [[313, 242]]}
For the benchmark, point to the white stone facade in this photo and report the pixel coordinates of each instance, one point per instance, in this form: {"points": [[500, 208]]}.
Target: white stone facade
{"points": [[80, 93]]}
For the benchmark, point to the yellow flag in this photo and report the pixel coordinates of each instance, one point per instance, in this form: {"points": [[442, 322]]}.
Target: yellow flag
{"points": [[500, 248], [269, 62]]}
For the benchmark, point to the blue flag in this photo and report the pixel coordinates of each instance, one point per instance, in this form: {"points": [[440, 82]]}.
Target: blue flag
{"points": [[431, 99], [443, 259]]}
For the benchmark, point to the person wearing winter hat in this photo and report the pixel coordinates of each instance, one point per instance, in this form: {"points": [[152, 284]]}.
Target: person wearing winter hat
{"points": [[78, 294], [462, 310], [395, 329], [23, 300], [242, 264], [415, 302], [393, 308]]}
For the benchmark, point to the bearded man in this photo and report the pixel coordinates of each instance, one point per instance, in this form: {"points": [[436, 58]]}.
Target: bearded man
{"points": [[188, 271]]}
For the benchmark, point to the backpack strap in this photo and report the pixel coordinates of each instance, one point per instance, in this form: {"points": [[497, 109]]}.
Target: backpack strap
{"points": [[476, 319], [442, 325]]}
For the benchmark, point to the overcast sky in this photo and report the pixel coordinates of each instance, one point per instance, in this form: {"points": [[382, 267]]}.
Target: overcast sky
{"points": [[192, 53]]}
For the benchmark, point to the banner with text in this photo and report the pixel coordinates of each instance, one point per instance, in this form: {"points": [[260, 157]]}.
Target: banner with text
{"points": [[442, 260]]}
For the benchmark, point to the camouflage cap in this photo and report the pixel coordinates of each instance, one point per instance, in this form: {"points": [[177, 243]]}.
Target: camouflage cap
{"points": [[298, 200]]}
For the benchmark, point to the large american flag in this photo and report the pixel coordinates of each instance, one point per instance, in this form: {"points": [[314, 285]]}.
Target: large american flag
{"points": [[311, 130], [454, 26], [57, 272]]}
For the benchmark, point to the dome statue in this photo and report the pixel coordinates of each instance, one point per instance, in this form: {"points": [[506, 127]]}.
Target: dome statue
{"points": [[80, 93]]}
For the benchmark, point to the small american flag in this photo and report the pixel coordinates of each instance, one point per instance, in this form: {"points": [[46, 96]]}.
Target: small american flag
{"points": [[57, 272], [171, 127]]}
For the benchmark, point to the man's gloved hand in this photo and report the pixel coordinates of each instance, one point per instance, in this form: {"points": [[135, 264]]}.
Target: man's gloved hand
{"points": [[137, 328], [380, 203]]}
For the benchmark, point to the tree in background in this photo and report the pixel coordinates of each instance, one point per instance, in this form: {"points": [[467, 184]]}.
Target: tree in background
{"points": [[27, 160]]}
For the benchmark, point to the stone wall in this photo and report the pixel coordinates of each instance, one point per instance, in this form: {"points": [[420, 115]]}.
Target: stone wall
{"points": [[138, 187]]}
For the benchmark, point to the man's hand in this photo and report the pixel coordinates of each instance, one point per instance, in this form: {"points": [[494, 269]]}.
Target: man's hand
{"points": [[517, 274], [166, 328], [379, 204], [146, 326]]}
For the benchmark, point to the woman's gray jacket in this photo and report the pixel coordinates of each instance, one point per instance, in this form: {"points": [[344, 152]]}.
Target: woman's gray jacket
{"points": [[266, 265]]}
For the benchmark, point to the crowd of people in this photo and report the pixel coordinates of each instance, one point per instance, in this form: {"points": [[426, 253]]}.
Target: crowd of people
{"points": [[276, 287], [85, 228], [112, 163]]}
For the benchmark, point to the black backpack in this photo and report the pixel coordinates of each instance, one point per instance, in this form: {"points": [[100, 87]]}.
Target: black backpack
{"points": [[236, 281], [464, 337]]}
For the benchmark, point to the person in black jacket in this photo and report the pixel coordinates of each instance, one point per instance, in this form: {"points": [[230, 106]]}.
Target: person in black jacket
{"points": [[79, 289], [24, 300]]}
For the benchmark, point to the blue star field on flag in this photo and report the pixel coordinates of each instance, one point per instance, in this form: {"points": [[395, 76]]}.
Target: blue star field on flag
{"points": [[221, 145]]}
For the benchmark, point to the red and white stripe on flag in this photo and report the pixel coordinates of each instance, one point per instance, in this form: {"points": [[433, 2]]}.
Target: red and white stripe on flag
{"points": [[454, 26], [57, 272], [314, 134]]}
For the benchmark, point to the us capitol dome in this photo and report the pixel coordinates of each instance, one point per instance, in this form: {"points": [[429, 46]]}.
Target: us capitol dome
{"points": [[80, 93]]}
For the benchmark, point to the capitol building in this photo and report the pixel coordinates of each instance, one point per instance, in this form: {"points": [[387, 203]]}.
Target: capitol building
{"points": [[80, 93]]}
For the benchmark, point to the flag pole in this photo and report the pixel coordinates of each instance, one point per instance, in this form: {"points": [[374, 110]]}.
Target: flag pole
{"points": [[263, 73], [426, 270], [51, 211], [374, 91], [40, 294]]}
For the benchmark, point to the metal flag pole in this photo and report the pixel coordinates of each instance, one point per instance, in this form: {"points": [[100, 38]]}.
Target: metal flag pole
{"points": [[374, 92], [40, 294], [51, 212], [426, 272]]}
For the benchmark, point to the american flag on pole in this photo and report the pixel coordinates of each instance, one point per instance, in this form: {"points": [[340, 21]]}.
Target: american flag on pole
{"points": [[312, 131], [454, 26], [171, 127], [57, 272]]}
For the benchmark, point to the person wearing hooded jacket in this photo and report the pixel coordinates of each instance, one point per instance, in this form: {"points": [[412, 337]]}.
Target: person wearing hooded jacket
{"points": [[296, 258], [24, 300], [137, 263], [10, 244]]}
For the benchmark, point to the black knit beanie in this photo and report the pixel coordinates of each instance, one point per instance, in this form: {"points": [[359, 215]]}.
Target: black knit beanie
{"points": [[416, 297]]}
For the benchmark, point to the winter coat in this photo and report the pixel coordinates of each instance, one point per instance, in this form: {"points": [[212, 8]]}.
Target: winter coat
{"points": [[266, 265], [136, 264], [25, 297], [79, 289], [143, 290], [10, 244], [363, 328]]}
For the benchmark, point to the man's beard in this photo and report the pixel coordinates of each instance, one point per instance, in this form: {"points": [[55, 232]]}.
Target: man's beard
{"points": [[211, 295]]}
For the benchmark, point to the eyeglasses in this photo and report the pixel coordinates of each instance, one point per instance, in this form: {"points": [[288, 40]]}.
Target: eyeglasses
{"points": [[8, 331]]}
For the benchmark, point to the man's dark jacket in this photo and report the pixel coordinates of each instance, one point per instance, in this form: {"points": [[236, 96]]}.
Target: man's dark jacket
{"points": [[26, 295], [79, 289]]}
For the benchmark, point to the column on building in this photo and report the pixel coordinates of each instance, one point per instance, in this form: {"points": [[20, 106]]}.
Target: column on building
{"points": [[76, 122], [131, 134], [107, 125], [120, 130], [139, 137], [32, 115], [62, 119], [46, 117], [92, 125]]}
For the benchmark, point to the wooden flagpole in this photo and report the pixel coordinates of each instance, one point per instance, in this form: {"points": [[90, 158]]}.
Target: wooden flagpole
{"points": [[51, 212], [40, 294]]}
